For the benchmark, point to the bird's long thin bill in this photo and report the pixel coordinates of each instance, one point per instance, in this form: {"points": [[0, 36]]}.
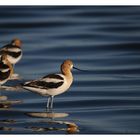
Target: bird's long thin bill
{"points": [[78, 69]]}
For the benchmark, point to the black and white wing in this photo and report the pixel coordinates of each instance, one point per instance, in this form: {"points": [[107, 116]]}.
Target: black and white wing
{"points": [[13, 51], [51, 81], [4, 71]]}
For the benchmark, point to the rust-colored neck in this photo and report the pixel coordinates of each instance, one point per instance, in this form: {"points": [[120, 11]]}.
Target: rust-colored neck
{"points": [[67, 73]]}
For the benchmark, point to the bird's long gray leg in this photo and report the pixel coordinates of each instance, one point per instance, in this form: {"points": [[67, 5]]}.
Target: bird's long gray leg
{"points": [[48, 103], [51, 107]]}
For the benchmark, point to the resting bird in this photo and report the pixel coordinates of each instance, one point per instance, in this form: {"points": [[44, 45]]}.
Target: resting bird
{"points": [[52, 84], [6, 69], [13, 51]]}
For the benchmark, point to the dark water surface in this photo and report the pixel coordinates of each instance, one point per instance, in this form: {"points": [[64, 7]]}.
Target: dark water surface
{"points": [[104, 40]]}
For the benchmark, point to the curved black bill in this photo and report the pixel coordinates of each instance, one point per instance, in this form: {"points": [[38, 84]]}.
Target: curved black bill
{"points": [[78, 69]]}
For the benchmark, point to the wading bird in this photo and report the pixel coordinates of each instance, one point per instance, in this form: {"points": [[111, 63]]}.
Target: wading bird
{"points": [[52, 84]]}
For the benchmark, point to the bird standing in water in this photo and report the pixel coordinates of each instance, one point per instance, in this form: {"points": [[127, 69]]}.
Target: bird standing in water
{"points": [[6, 70], [13, 51], [52, 84]]}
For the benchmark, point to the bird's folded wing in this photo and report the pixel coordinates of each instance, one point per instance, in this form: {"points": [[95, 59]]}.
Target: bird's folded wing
{"points": [[43, 84]]}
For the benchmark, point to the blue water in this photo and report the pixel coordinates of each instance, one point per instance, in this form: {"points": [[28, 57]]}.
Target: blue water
{"points": [[103, 40]]}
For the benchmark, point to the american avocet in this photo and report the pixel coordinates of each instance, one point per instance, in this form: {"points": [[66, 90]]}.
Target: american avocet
{"points": [[52, 84], [13, 51], [6, 69]]}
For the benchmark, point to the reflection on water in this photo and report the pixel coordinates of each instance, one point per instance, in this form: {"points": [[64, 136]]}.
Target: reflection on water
{"points": [[49, 124], [4, 101], [7, 121], [3, 98], [67, 127], [47, 114], [55, 126], [11, 88], [8, 103], [6, 128]]}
